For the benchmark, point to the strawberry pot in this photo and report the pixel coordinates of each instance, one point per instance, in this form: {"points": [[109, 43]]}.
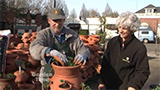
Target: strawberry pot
{"points": [[68, 73]]}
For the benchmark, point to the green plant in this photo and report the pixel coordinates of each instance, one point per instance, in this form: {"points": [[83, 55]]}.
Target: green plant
{"points": [[69, 63], [65, 84], [8, 87], [6, 76], [84, 87], [155, 87], [45, 85], [28, 64], [102, 36]]}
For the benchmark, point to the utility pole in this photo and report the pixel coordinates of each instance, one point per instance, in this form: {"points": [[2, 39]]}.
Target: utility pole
{"points": [[54, 3]]}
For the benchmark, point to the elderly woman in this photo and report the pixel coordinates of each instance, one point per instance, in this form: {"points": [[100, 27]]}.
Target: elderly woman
{"points": [[125, 62]]}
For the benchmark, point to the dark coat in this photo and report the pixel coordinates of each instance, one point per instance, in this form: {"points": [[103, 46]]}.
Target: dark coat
{"points": [[125, 67]]}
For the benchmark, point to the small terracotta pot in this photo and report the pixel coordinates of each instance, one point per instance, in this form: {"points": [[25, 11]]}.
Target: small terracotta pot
{"points": [[37, 84], [21, 77], [23, 46], [10, 64], [84, 38], [93, 39], [35, 63], [26, 37], [9, 81], [27, 86]]}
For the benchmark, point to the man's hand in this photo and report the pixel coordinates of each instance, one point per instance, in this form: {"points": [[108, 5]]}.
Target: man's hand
{"points": [[80, 59], [60, 55]]}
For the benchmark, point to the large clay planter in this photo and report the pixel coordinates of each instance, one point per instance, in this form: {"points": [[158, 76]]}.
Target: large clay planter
{"points": [[69, 73]]}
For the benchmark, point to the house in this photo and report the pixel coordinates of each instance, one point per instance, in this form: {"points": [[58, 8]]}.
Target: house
{"points": [[93, 25], [150, 17]]}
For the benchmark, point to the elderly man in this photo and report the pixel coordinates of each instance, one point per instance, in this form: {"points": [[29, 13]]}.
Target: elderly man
{"points": [[59, 41]]}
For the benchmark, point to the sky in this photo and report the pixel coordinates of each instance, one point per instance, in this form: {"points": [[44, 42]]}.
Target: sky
{"points": [[116, 5]]}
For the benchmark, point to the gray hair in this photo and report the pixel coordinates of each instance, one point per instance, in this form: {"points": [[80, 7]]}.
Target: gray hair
{"points": [[128, 19]]}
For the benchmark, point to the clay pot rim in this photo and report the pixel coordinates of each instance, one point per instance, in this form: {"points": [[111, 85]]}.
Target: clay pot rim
{"points": [[69, 67]]}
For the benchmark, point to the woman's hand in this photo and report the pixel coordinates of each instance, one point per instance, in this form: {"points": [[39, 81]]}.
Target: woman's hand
{"points": [[101, 87], [131, 88]]}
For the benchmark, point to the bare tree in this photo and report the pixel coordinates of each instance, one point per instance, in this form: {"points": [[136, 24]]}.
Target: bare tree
{"points": [[114, 14], [83, 13], [93, 13], [49, 4], [73, 14], [107, 11]]}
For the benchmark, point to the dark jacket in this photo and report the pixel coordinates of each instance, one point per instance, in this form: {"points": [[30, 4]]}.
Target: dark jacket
{"points": [[125, 67]]}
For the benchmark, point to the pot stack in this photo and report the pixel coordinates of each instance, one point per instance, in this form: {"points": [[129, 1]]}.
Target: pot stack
{"points": [[18, 59], [92, 67]]}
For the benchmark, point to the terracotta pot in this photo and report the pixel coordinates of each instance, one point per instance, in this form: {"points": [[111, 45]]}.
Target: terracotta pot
{"points": [[23, 57], [10, 64], [35, 63], [93, 39], [83, 38], [27, 86], [32, 38], [23, 46], [37, 84], [31, 70], [5, 82], [94, 36], [93, 47], [26, 37], [23, 51], [69, 73], [13, 41], [21, 77]]}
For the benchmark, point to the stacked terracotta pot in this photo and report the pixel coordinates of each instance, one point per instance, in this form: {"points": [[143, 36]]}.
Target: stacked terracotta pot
{"points": [[18, 52], [92, 41]]}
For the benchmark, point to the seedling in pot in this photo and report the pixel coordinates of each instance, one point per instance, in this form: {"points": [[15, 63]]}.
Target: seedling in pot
{"points": [[65, 84]]}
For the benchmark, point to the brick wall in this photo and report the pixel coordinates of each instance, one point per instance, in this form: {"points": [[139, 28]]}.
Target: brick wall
{"points": [[152, 22]]}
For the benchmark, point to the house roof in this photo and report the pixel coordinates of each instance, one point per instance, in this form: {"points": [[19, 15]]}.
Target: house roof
{"points": [[156, 9]]}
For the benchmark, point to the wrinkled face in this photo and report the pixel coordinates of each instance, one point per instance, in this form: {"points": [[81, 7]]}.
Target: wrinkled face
{"points": [[56, 25], [124, 32]]}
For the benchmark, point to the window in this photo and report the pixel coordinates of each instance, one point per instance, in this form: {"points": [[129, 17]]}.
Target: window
{"points": [[145, 32], [149, 10]]}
